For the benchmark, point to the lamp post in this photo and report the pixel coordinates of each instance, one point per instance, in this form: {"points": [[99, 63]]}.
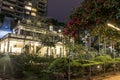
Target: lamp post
{"points": [[69, 70], [51, 29], [70, 56], [62, 45], [118, 29]]}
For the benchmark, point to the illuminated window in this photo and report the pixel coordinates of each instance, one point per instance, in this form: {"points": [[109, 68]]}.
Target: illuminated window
{"points": [[27, 12], [28, 7], [11, 7], [39, 24], [33, 14], [33, 9], [29, 3]]}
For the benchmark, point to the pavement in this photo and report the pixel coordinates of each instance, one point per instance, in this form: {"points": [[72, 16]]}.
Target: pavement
{"points": [[112, 76], [115, 77]]}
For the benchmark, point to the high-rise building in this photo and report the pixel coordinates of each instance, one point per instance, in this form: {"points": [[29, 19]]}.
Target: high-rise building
{"points": [[23, 8]]}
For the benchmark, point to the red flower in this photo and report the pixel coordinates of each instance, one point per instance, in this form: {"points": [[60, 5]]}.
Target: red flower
{"points": [[98, 10], [89, 27], [70, 22], [97, 20], [77, 21], [66, 31], [102, 1], [85, 15], [74, 33], [111, 13]]}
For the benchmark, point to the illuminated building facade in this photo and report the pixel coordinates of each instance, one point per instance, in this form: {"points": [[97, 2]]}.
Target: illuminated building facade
{"points": [[23, 8], [41, 39]]}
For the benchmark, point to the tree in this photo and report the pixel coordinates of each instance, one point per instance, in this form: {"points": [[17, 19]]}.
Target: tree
{"points": [[60, 65], [117, 47], [93, 13], [55, 22]]}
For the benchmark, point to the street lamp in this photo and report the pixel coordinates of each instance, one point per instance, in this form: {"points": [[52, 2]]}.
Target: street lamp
{"points": [[59, 31], [71, 55], [60, 39], [111, 25], [69, 70]]}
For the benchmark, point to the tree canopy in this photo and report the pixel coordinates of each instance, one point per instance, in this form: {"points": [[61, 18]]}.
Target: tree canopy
{"points": [[93, 13]]}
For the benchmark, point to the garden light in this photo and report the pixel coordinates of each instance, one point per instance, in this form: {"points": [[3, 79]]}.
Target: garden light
{"points": [[98, 67]]}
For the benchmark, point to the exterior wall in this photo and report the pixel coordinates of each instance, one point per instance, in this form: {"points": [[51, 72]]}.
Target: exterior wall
{"points": [[57, 51], [17, 46], [11, 46]]}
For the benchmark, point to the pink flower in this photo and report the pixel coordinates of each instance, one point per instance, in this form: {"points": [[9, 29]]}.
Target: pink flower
{"points": [[102, 1], [85, 15], [77, 21], [97, 20], [111, 13], [74, 33], [70, 22], [98, 10], [66, 31]]}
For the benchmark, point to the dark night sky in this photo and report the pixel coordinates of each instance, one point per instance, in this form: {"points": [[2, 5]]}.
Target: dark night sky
{"points": [[60, 9]]}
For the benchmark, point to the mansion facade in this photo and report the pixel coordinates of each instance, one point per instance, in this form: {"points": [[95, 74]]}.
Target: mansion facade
{"points": [[34, 38]]}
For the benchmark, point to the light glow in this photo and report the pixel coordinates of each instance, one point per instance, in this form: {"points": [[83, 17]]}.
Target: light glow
{"points": [[16, 50], [110, 25], [11, 7], [29, 3], [5, 28], [28, 8], [3, 33], [33, 14]]}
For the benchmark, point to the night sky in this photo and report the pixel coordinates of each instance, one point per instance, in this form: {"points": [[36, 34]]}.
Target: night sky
{"points": [[60, 9]]}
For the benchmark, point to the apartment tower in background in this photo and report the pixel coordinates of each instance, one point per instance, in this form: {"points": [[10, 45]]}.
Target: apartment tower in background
{"points": [[23, 8]]}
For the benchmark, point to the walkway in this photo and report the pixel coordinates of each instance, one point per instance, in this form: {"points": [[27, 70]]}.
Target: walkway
{"points": [[112, 76]]}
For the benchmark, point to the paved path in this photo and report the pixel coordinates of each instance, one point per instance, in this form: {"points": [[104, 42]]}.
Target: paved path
{"points": [[115, 76]]}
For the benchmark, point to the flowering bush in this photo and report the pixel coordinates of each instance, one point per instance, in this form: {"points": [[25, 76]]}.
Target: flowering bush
{"points": [[71, 28], [92, 13]]}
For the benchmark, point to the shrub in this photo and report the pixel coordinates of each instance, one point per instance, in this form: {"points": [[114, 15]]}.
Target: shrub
{"points": [[117, 59], [37, 65], [29, 62], [59, 65], [18, 65], [103, 58]]}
